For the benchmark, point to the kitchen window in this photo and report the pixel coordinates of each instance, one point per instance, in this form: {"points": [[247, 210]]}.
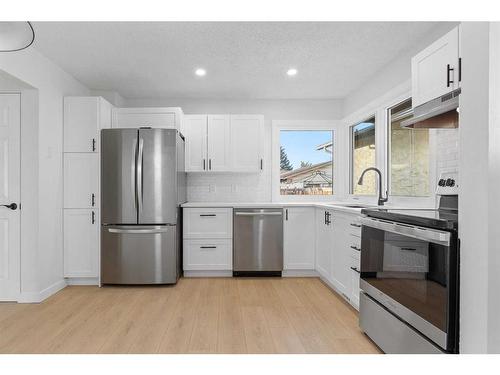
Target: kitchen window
{"points": [[306, 162], [363, 156], [409, 156]]}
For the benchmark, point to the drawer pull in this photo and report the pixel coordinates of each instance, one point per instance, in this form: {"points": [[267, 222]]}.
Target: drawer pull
{"points": [[208, 215], [355, 248], [355, 269], [208, 247], [356, 225]]}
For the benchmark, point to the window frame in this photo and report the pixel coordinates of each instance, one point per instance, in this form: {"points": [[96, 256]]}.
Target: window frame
{"points": [[351, 154], [404, 199], [380, 106], [307, 125]]}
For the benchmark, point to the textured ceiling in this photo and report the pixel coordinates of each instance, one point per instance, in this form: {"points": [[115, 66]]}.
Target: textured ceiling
{"points": [[243, 60]]}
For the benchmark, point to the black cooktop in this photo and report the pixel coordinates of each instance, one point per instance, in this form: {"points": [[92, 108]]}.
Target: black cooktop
{"points": [[439, 218]]}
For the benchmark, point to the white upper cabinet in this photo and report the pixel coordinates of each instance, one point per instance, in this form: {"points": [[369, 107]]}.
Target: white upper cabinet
{"points": [[324, 243], [436, 70], [81, 243], [195, 132], [219, 138], [246, 138], [168, 118], [84, 116], [81, 180], [223, 143], [299, 238]]}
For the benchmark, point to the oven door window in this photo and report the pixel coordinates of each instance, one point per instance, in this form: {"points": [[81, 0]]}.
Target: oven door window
{"points": [[411, 271]]}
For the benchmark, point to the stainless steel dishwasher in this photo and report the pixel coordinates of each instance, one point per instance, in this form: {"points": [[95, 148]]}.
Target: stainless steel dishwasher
{"points": [[257, 242]]}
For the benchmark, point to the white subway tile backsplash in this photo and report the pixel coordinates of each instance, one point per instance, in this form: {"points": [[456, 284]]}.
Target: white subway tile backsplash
{"points": [[447, 152]]}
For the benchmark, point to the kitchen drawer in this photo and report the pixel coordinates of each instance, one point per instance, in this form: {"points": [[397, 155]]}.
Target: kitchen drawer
{"points": [[208, 255], [355, 228], [354, 241], [208, 223], [355, 259]]}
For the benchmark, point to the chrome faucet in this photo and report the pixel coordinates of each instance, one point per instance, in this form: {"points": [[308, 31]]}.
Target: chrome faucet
{"points": [[381, 199]]}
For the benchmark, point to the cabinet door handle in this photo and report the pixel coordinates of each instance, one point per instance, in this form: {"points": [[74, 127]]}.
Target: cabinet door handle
{"points": [[208, 247], [92, 199], [356, 225], [204, 164], [207, 215], [209, 164], [355, 269], [93, 217], [93, 144], [286, 214], [355, 248], [459, 69], [448, 70], [261, 164]]}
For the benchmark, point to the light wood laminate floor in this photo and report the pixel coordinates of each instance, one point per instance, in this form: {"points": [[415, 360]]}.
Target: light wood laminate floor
{"points": [[231, 315]]}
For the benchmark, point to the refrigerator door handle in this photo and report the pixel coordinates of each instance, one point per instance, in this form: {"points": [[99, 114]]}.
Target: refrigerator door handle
{"points": [[162, 229], [133, 173], [140, 157]]}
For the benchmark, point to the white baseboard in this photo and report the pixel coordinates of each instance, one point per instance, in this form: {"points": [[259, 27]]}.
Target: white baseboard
{"points": [[82, 281], [208, 273], [37, 297], [299, 273]]}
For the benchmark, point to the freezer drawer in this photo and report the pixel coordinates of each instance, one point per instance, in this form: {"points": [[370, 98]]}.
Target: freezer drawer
{"points": [[139, 254], [258, 240]]}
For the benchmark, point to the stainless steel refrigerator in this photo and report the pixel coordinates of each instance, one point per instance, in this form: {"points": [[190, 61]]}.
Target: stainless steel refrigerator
{"points": [[143, 183]]}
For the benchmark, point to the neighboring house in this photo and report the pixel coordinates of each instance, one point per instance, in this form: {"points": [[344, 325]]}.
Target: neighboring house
{"points": [[315, 179]]}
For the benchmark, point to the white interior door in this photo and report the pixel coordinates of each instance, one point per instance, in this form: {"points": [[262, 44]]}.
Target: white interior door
{"points": [[10, 125]]}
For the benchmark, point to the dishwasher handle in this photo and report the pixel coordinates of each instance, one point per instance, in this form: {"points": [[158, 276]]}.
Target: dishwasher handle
{"points": [[258, 213]]}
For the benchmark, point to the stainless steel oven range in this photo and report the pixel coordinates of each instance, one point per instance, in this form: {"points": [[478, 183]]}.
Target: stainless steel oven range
{"points": [[410, 276]]}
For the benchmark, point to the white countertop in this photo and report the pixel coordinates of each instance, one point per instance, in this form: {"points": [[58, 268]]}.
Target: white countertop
{"points": [[335, 206], [339, 206]]}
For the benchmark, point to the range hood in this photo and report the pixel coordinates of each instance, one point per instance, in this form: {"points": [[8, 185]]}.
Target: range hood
{"points": [[441, 112]]}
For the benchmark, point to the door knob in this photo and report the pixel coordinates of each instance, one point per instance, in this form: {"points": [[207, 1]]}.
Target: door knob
{"points": [[12, 206]]}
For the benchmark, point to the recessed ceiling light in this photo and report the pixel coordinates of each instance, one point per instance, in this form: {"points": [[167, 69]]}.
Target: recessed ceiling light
{"points": [[292, 72], [200, 72]]}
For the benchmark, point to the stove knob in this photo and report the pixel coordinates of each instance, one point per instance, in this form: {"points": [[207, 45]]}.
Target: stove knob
{"points": [[441, 182], [448, 182], [452, 182]]}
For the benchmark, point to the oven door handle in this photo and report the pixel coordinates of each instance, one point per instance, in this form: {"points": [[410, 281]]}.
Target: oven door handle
{"points": [[420, 233]]}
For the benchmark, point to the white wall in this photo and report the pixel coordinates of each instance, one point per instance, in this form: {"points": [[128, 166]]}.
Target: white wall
{"points": [[393, 74], [42, 170], [244, 187], [479, 200], [494, 199]]}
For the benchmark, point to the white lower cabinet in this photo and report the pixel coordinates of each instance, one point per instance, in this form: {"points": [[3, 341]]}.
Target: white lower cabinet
{"points": [[207, 241], [208, 255], [299, 239], [354, 292], [324, 244], [81, 243], [203, 223], [341, 275], [337, 252]]}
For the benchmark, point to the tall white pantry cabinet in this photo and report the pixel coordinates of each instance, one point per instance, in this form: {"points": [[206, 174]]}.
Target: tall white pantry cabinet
{"points": [[84, 117]]}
